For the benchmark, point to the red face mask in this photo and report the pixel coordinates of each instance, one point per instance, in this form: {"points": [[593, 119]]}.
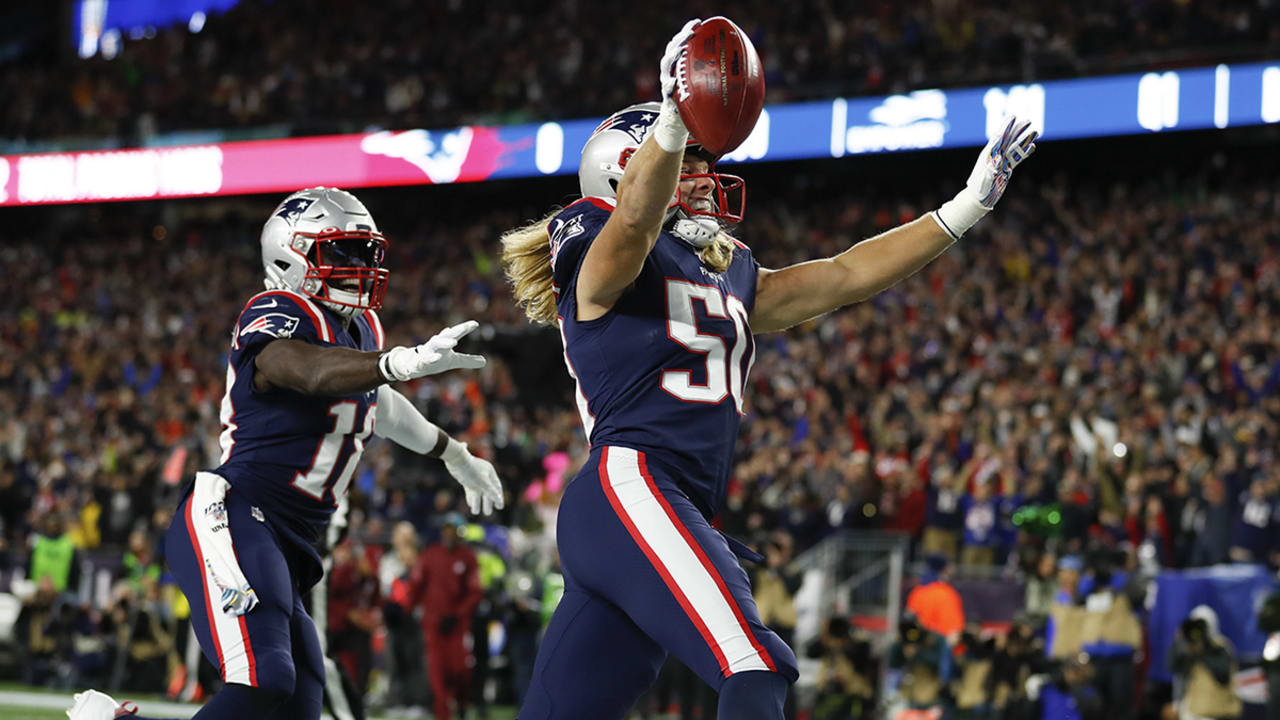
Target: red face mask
{"points": [[728, 197], [338, 257]]}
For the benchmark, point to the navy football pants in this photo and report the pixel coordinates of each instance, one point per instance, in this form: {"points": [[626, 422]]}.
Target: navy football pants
{"points": [[645, 574], [274, 647]]}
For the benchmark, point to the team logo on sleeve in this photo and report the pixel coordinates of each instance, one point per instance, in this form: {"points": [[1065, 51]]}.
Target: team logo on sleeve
{"points": [[562, 230], [277, 325]]}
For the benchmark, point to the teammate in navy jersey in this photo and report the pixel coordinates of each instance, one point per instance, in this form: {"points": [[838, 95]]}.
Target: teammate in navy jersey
{"points": [[308, 382], [656, 305]]}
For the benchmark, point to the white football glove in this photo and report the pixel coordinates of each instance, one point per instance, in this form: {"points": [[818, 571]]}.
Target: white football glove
{"points": [[431, 357], [669, 130], [990, 176], [477, 477]]}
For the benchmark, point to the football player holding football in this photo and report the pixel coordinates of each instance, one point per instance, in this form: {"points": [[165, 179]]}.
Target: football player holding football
{"points": [[656, 306]]}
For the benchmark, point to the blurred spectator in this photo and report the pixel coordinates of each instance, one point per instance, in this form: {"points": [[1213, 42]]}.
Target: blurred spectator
{"points": [[249, 66], [1269, 623], [142, 640], [846, 673], [404, 640], [922, 664], [980, 535], [1257, 527], [1111, 633], [42, 637], [935, 602], [1203, 664], [1212, 525], [944, 519], [1042, 585], [446, 588], [1066, 692], [54, 556], [974, 683], [354, 611], [139, 560]]}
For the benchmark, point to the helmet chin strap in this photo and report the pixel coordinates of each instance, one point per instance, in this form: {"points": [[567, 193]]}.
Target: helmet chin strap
{"points": [[698, 231]]}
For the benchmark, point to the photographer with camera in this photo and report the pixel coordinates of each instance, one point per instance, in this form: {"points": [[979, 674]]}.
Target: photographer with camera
{"points": [[922, 667], [1065, 691], [1202, 662], [975, 663], [1110, 630], [846, 673]]}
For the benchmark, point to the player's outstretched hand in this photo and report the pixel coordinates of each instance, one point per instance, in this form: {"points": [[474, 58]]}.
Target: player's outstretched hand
{"points": [[477, 477], [989, 178], [431, 357]]}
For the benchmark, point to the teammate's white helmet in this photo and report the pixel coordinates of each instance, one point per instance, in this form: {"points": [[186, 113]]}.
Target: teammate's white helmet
{"points": [[322, 242], [605, 156]]}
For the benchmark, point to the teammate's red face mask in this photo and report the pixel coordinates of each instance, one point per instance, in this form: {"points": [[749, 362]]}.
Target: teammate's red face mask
{"points": [[351, 261]]}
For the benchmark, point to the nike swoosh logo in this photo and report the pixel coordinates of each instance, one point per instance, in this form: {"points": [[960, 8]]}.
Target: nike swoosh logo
{"points": [[266, 305]]}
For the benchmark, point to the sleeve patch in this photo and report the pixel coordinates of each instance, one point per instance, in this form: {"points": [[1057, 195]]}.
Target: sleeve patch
{"points": [[277, 325]]}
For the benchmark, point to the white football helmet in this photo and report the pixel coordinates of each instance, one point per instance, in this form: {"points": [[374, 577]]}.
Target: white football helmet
{"points": [[322, 242], [605, 156]]}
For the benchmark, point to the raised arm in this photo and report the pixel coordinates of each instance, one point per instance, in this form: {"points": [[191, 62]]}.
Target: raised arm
{"points": [[337, 371], [801, 292], [617, 255]]}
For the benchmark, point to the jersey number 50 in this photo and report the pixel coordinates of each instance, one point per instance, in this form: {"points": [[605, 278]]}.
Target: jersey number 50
{"points": [[725, 373], [323, 480]]}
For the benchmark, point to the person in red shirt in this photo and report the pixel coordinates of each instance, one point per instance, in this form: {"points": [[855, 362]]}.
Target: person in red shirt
{"points": [[445, 583]]}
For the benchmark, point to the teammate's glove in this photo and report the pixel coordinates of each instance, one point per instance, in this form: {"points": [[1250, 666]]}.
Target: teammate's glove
{"points": [[431, 357], [477, 477], [669, 130], [989, 178]]}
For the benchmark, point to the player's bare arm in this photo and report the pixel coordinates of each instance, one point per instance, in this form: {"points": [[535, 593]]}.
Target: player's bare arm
{"points": [[337, 371], [617, 255], [801, 292]]}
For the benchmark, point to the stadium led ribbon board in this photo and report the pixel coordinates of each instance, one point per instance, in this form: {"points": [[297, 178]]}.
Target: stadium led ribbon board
{"points": [[1189, 99]]}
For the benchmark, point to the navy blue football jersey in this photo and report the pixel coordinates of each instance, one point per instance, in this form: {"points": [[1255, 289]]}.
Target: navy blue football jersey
{"points": [[664, 370], [293, 455]]}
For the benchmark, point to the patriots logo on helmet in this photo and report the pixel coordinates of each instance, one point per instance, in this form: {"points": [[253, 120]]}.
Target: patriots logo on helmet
{"points": [[293, 209], [635, 123], [277, 325]]}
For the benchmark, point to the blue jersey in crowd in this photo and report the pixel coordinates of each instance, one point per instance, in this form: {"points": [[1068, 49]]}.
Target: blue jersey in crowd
{"points": [[664, 371], [292, 455]]}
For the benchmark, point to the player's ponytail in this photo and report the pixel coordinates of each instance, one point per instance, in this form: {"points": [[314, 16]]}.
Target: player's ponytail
{"points": [[526, 260]]}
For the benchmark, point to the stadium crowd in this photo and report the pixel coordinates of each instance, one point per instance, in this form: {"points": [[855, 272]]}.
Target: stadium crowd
{"points": [[1096, 367], [345, 66]]}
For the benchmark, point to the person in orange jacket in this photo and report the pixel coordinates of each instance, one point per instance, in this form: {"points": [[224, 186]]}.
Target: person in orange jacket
{"points": [[935, 602], [445, 583]]}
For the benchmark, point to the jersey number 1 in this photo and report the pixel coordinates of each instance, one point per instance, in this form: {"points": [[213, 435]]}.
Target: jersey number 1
{"points": [[725, 373], [322, 481]]}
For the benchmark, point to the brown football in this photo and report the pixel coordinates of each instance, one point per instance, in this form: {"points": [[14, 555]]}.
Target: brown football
{"points": [[720, 85]]}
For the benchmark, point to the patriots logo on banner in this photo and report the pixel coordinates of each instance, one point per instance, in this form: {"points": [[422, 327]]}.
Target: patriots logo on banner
{"points": [[293, 209], [277, 325], [635, 123]]}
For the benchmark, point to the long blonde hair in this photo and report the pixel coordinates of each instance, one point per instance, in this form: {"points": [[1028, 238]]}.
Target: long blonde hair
{"points": [[526, 260]]}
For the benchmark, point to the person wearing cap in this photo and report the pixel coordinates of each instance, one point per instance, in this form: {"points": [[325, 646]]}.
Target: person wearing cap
{"points": [[445, 585]]}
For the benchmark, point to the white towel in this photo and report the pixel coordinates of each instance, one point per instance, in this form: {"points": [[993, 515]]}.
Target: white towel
{"points": [[209, 511]]}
